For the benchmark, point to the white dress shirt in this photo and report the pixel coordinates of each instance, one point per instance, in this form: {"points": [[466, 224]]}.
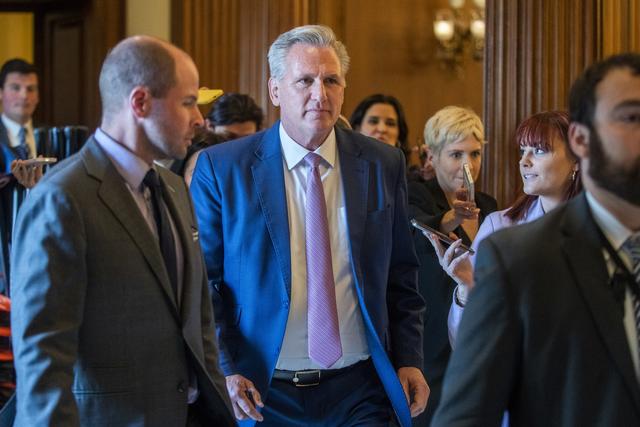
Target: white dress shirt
{"points": [[294, 355], [13, 131], [617, 234]]}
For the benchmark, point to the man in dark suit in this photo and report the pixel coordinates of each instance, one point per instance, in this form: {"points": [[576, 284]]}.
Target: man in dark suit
{"points": [[550, 333], [310, 257], [19, 98], [112, 321]]}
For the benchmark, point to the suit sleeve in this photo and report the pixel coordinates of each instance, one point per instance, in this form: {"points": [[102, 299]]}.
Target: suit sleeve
{"points": [[207, 201], [405, 304], [481, 371], [48, 297]]}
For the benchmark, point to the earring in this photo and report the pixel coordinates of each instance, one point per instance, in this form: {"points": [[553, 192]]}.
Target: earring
{"points": [[573, 175]]}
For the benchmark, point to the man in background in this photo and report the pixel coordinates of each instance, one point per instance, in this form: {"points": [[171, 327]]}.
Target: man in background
{"points": [[19, 98]]}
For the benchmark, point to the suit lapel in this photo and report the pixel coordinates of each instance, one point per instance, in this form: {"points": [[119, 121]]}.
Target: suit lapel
{"points": [[115, 195], [355, 180], [268, 177], [583, 249]]}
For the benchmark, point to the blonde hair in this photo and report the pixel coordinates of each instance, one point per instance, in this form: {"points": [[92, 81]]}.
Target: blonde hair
{"points": [[452, 124]]}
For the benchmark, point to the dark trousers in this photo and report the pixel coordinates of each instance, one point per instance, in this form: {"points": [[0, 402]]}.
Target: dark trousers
{"points": [[354, 398]]}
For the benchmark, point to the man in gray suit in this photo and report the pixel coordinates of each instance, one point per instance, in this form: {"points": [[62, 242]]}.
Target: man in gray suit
{"points": [[112, 320]]}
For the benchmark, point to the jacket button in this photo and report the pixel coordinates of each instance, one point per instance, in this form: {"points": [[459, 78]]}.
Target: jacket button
{"points": [[182, 387]]}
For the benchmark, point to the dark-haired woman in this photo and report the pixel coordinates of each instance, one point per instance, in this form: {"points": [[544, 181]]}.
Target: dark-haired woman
{"points": [[382, 117]]}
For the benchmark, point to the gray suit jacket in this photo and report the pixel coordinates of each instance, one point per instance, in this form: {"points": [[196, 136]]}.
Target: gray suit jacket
{"points": [[98, 337]]}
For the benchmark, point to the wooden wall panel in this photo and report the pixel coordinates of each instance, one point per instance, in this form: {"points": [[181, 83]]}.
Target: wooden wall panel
{"points": [[620, 20], [104, 27], [63, 69], [209, 32], [535, 49]]}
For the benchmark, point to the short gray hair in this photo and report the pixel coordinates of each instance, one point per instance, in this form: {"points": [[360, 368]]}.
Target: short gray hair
{"points": [[314, 35], [136, 61], [452, 124]]}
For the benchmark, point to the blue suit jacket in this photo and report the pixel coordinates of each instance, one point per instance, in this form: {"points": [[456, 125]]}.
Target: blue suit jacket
{"points": [[239, 196]]}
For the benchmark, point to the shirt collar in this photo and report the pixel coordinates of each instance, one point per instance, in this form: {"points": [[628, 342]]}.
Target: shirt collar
{"points": [[613, 229], [294, 153], [535, 211], [131, 167], [14, 127]]}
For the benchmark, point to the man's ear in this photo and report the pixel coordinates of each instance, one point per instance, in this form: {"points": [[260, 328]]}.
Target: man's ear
{"points": [[274, 92], [579, 136], [140, 101]]}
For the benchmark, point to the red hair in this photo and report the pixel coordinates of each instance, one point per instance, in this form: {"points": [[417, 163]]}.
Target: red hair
{"points": [[539, 131]]}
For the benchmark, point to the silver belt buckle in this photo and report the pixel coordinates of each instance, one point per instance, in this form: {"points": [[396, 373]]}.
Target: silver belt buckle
{"points": [[296, 379]]}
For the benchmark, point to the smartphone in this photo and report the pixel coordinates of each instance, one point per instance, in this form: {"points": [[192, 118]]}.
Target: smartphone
{"points": [[468, 182], [39, 161], [441, 236]]}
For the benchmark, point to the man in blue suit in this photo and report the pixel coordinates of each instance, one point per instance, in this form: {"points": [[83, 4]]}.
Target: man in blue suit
{"points": [[310, 257]]}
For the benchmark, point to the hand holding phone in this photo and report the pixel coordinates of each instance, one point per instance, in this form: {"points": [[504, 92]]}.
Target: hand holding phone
{"points": [[441, 236], [39, 161], [28, 172]]}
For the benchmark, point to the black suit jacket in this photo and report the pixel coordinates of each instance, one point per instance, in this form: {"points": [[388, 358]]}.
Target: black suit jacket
{"points": [[542, 335], [6, 193], [428, 203]]}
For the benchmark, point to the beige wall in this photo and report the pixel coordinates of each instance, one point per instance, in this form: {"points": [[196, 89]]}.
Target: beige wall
{"points": [[151, 17], [16, 37]]}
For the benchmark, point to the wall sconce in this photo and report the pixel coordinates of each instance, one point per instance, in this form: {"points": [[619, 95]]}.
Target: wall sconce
{"points": [[455, 29]]}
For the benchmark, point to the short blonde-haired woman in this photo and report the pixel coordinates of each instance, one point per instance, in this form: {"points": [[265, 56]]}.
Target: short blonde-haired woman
{"points": [[455, 136]]}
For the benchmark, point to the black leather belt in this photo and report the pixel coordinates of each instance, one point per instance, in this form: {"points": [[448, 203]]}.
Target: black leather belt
{"points": [[310, 378]]}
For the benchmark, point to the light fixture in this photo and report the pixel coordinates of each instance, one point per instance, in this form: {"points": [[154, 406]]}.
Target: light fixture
{"points": [[455, 29]]}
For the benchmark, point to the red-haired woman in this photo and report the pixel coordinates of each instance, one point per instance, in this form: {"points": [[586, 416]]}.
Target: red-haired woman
{"points": [[550, 176]]}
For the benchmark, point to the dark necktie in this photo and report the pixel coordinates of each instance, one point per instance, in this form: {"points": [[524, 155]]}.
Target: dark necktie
{"points": [[322, 322], [22, 150], [631, 246], [165, 235]]}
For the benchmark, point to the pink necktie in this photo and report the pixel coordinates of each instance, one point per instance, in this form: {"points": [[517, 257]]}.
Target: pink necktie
{"points": [[322, 323]]}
